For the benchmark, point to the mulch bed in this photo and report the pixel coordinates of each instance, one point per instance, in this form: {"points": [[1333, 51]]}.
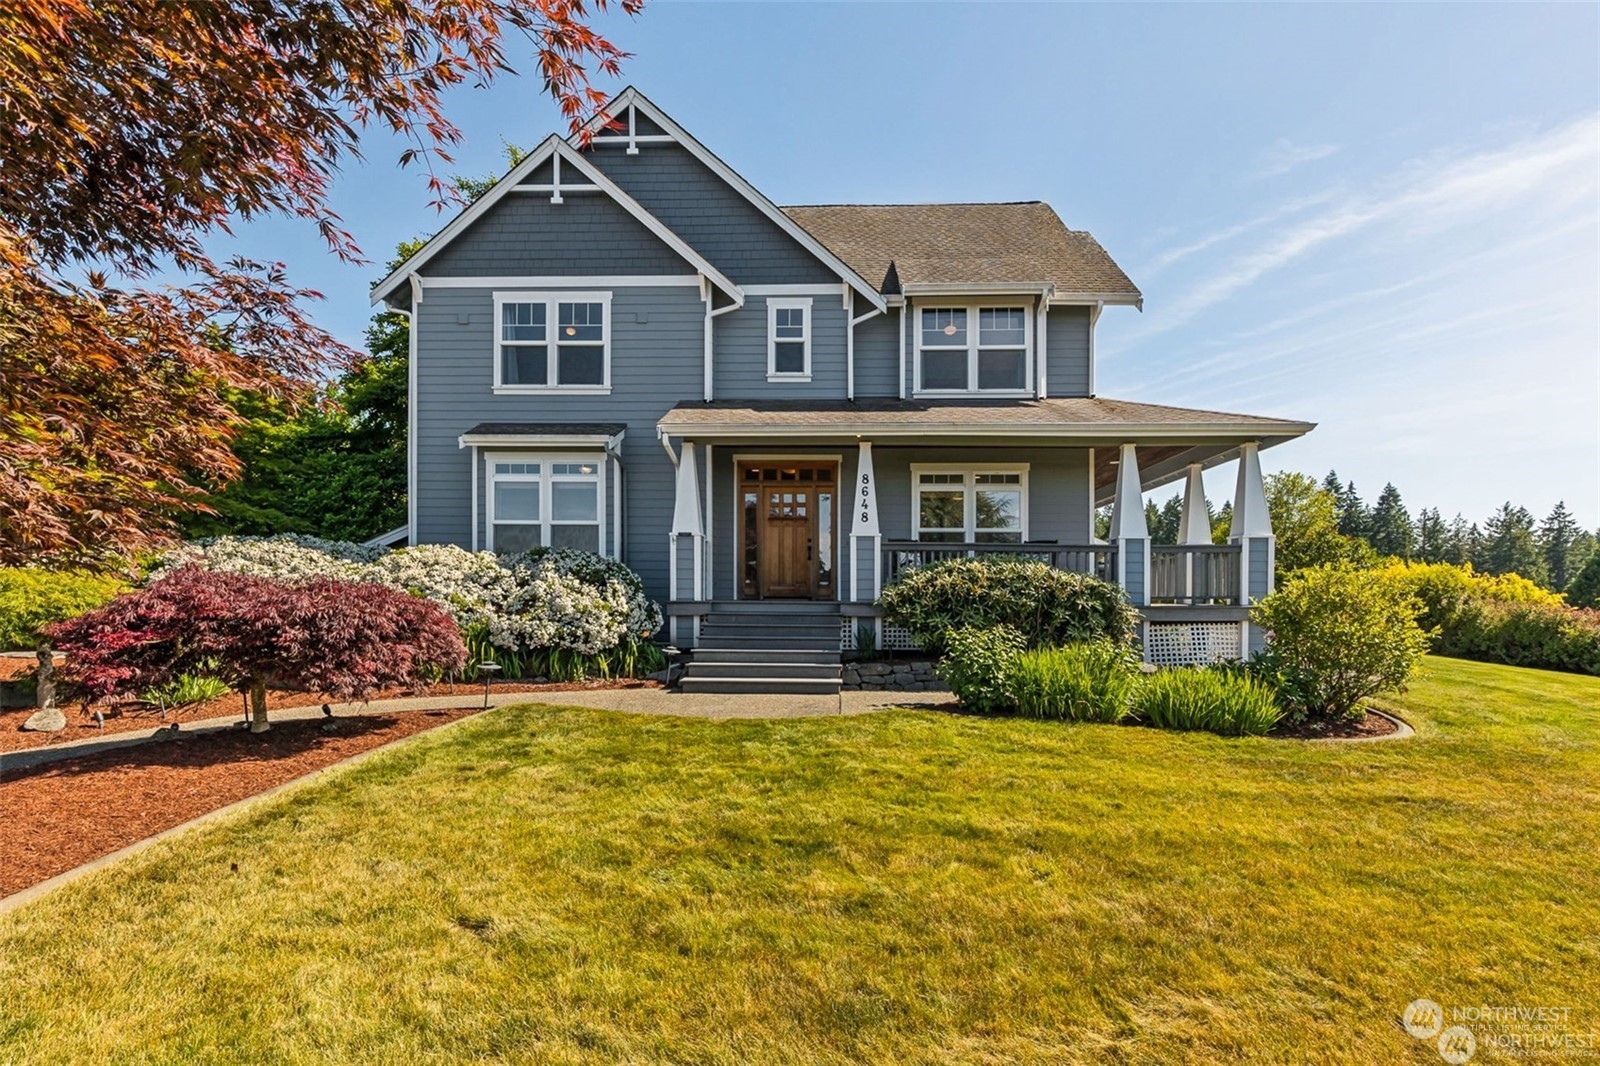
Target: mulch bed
{"points": [[63, 814], [136, 717], [1368, 725]]}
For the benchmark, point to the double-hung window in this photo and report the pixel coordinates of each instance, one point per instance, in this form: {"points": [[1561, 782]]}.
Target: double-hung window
{"points": [[973, 349], [789, 339], [986, 505], [544, 501], [552, 341]]}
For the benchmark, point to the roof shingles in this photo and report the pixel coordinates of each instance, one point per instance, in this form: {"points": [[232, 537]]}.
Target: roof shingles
{"points": [[895, 245]]}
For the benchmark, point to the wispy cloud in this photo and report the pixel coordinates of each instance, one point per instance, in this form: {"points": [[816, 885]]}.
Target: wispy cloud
{"points": [[1285, 155], [1559, 165]]}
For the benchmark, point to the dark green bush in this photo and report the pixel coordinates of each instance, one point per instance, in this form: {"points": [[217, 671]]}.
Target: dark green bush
{"points": [[1092, 681], [1546, 636], [1224, 701], [1048, 607], [977, 665]]}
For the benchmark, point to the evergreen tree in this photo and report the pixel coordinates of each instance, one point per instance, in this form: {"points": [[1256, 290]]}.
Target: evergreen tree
{"points": [[1165, 521], [1333, 485], [1472, 546], [1390, 531], [1222, 523], [1354, 519], [1555, 537], [1509, 544], [1306, 523], [1585, 588], [1457, 550], [1585, 546], [1433, 536]]}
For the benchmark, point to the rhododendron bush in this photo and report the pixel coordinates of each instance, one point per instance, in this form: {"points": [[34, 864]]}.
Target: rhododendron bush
{"points": [[320, 634], [536, 601]]}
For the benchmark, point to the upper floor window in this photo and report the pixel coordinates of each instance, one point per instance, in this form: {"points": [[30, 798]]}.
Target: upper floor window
{"points": [[789, 339], [552, 341], [973, 349]]}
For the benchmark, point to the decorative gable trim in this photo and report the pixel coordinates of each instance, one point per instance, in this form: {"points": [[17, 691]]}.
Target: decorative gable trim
{"points": [[631, 100], [557, 149]]}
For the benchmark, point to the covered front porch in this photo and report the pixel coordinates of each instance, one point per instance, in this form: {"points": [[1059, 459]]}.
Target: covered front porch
{"points": [[814, 509]]}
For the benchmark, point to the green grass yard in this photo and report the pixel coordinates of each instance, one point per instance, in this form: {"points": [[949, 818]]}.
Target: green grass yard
{"points": [[552, 885]]}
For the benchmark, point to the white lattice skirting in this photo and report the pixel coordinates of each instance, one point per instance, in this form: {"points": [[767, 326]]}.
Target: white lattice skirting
{"points": [[1191, 643], [894, 637]]}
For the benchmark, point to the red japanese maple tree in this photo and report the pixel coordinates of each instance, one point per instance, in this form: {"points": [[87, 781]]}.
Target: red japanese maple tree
{"points": [[130, 132], [323, 635]]}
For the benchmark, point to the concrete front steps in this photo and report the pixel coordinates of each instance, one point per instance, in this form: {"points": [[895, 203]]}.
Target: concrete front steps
{"points": [[766, 647]]}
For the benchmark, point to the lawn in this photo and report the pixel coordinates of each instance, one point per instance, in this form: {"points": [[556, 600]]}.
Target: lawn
{"points": [[553, 885]]}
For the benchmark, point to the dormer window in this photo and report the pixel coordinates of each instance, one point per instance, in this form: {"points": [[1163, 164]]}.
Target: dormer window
{"points": [[974, 349], [789, 339]]}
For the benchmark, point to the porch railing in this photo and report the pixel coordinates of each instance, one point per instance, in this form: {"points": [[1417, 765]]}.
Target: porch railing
{"points": [[1099, 560], [1197, 574]]}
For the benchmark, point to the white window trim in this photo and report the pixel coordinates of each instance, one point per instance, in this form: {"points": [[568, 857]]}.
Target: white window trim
{"points": [[972, 310], [774, 304], [552, 319], [969, 490], [546, 478]]}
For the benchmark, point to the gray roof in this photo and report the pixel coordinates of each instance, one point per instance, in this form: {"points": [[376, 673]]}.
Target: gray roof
{"points": [[550, 429], [895, 245]]}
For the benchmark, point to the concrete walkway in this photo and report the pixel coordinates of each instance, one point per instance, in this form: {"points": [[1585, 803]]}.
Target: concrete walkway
{"points": [[626, 700]]}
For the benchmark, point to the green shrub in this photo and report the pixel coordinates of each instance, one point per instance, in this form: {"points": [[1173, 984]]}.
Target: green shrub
{"points": [[31, 599], [186, 689], [1046, 606], [1337, 636], [1547, 636], [1442, 590], [1092, 681], [977, 665], [1229, 702]]}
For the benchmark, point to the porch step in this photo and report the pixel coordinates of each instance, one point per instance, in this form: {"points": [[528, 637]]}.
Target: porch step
{"points": [[753, 665], [759, 686]]}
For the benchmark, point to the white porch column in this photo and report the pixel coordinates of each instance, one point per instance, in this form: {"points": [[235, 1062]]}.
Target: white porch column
{"points": [[1195, 525], [864, 526], [686, 521], [1128, 529], [1252, 530]]}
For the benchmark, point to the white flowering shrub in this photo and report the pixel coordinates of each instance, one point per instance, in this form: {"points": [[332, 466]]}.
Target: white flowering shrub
{"points": [[537, 601]]}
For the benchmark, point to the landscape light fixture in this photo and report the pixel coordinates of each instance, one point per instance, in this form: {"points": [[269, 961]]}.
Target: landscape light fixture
{"points": [[487, 670]]}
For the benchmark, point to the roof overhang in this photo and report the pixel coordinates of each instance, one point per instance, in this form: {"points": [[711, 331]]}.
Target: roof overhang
{"points": [[1084, 435], [553, 146], [608, 438]]}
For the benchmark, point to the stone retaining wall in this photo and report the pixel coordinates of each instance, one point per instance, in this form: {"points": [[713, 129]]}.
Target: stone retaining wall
{"points": [[902, 675]]}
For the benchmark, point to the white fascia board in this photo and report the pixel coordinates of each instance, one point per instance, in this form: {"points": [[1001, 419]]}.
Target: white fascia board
{"points": [[1122, 299], [1145, 434], [963, 288], [631, 97], [550, 147], [539, 440]]}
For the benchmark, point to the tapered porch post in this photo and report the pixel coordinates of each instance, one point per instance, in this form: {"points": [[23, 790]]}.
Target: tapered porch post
{"points": [[1252, 531], [864, 531], [1195, 525], [686, 523], [1128, 530]]}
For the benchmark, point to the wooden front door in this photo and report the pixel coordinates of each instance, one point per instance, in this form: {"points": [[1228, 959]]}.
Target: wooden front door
{"points": [[786, 531]]}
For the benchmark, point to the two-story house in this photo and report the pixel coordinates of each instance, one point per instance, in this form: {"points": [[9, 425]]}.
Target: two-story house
{"points": [[625, 347]]}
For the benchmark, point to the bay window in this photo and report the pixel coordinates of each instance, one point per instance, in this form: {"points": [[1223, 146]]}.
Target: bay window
{"points": [[543, 501], [974, 349], [552, 341], [983, 505]]}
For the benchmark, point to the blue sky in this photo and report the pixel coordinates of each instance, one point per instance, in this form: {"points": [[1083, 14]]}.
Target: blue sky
{"points": [[1381, 218]]}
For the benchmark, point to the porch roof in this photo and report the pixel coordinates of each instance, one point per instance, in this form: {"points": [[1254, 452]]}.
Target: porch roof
{"points": [[492, 434], [1169, 438]]}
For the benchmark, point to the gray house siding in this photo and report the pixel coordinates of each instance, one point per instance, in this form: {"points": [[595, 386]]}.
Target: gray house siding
{"points": [[878, 354], [526, 234], [1067, 348], [656, 359], [739, 340], [1058, 487], [716, 220]]}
